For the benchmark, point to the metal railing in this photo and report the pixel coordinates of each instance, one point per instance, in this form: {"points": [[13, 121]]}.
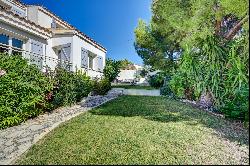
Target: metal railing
{"points": [[41, 61]]}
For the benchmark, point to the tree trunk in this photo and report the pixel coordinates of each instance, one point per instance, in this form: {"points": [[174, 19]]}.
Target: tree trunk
{"points": [[206, 100], [236, 28]]}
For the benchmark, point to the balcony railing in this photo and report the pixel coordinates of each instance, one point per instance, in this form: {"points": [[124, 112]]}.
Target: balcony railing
{"points": [[41, 61]]}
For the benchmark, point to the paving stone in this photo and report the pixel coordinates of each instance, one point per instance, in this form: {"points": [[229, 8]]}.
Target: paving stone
{"points": [[8, 150], [13, 134], [9, 142], [25, 139], [35, 127]]}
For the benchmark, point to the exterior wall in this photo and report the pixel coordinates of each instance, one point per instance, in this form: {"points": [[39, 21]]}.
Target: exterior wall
{"points": [[35, 29], [57, 42], [7, 18], [32, 14], [126, 75], [20, 34], [44, 20], [39, 17], [78, 43], [14, 7]]}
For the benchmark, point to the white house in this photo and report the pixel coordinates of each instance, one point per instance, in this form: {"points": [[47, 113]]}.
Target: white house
{"points": [[129, 75], [46, 40]]}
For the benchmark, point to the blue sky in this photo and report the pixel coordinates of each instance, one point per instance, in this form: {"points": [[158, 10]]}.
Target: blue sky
{"points": [[109, 22]]}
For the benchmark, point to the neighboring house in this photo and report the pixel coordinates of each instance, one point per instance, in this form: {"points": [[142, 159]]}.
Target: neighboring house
{"points": [[46, 40], [129, 74]]}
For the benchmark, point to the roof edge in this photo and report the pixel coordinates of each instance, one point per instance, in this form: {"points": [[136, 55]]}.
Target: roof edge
{"points": [[91, 41]]}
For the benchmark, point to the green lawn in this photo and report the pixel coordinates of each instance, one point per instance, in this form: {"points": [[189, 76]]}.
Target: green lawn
{"points": [[133, 87], [142, 130]]}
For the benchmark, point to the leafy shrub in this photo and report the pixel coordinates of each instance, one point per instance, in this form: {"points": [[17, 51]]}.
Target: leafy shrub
{"points": [[83, 85], [177, 85], [112, 69], [237, 106], [70, 87], [22, 90], [101, 87], [165, 89], [156, 80], [221, 70]]}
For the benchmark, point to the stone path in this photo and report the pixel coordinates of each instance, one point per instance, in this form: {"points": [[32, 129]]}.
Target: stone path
{"points": [[14, 141]]}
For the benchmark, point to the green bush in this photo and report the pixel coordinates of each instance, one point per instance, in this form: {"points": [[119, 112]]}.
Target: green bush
{"points": [[70, 87], [156, 80], [101, 87], [165, 89], [22, 90], [112, 69], [177, 85], [237, 105]]}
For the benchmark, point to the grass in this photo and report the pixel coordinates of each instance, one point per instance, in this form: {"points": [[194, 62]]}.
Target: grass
{"points": [[142, 130], [133, 87]]}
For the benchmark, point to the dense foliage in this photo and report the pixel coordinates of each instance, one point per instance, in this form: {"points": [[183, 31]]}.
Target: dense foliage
{"points": [[125, 64], [70, 87], [101, 87], [22, 90], [211, 40], [156, 80], [26, 92], [112, 69]]}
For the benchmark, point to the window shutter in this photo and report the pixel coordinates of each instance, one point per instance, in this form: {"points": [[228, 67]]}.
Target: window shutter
{"points": [[37, 58], [37, 47], [100, 63], [66, 53], [84, 58]]}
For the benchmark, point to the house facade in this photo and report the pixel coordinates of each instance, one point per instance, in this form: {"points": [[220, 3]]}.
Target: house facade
{"points": [[130, 74], [46, 40]]}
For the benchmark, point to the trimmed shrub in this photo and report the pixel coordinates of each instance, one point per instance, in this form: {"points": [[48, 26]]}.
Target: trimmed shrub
{"points": [[70, 87], [22, 90], [101, 87]]}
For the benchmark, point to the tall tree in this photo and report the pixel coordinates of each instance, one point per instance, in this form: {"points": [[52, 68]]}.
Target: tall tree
{"points": [[176, 24]]}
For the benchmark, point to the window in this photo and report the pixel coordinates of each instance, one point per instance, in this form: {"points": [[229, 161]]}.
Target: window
{"points": [[18, 11], [4, 39], [91, 61], [17, 43], [100, 63]]}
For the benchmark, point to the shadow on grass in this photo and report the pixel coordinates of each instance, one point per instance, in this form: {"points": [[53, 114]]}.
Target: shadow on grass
{"points": [[166, 110]]}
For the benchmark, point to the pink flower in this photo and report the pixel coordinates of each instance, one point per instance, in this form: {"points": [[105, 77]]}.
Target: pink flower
{"points": [[2, 72]]}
